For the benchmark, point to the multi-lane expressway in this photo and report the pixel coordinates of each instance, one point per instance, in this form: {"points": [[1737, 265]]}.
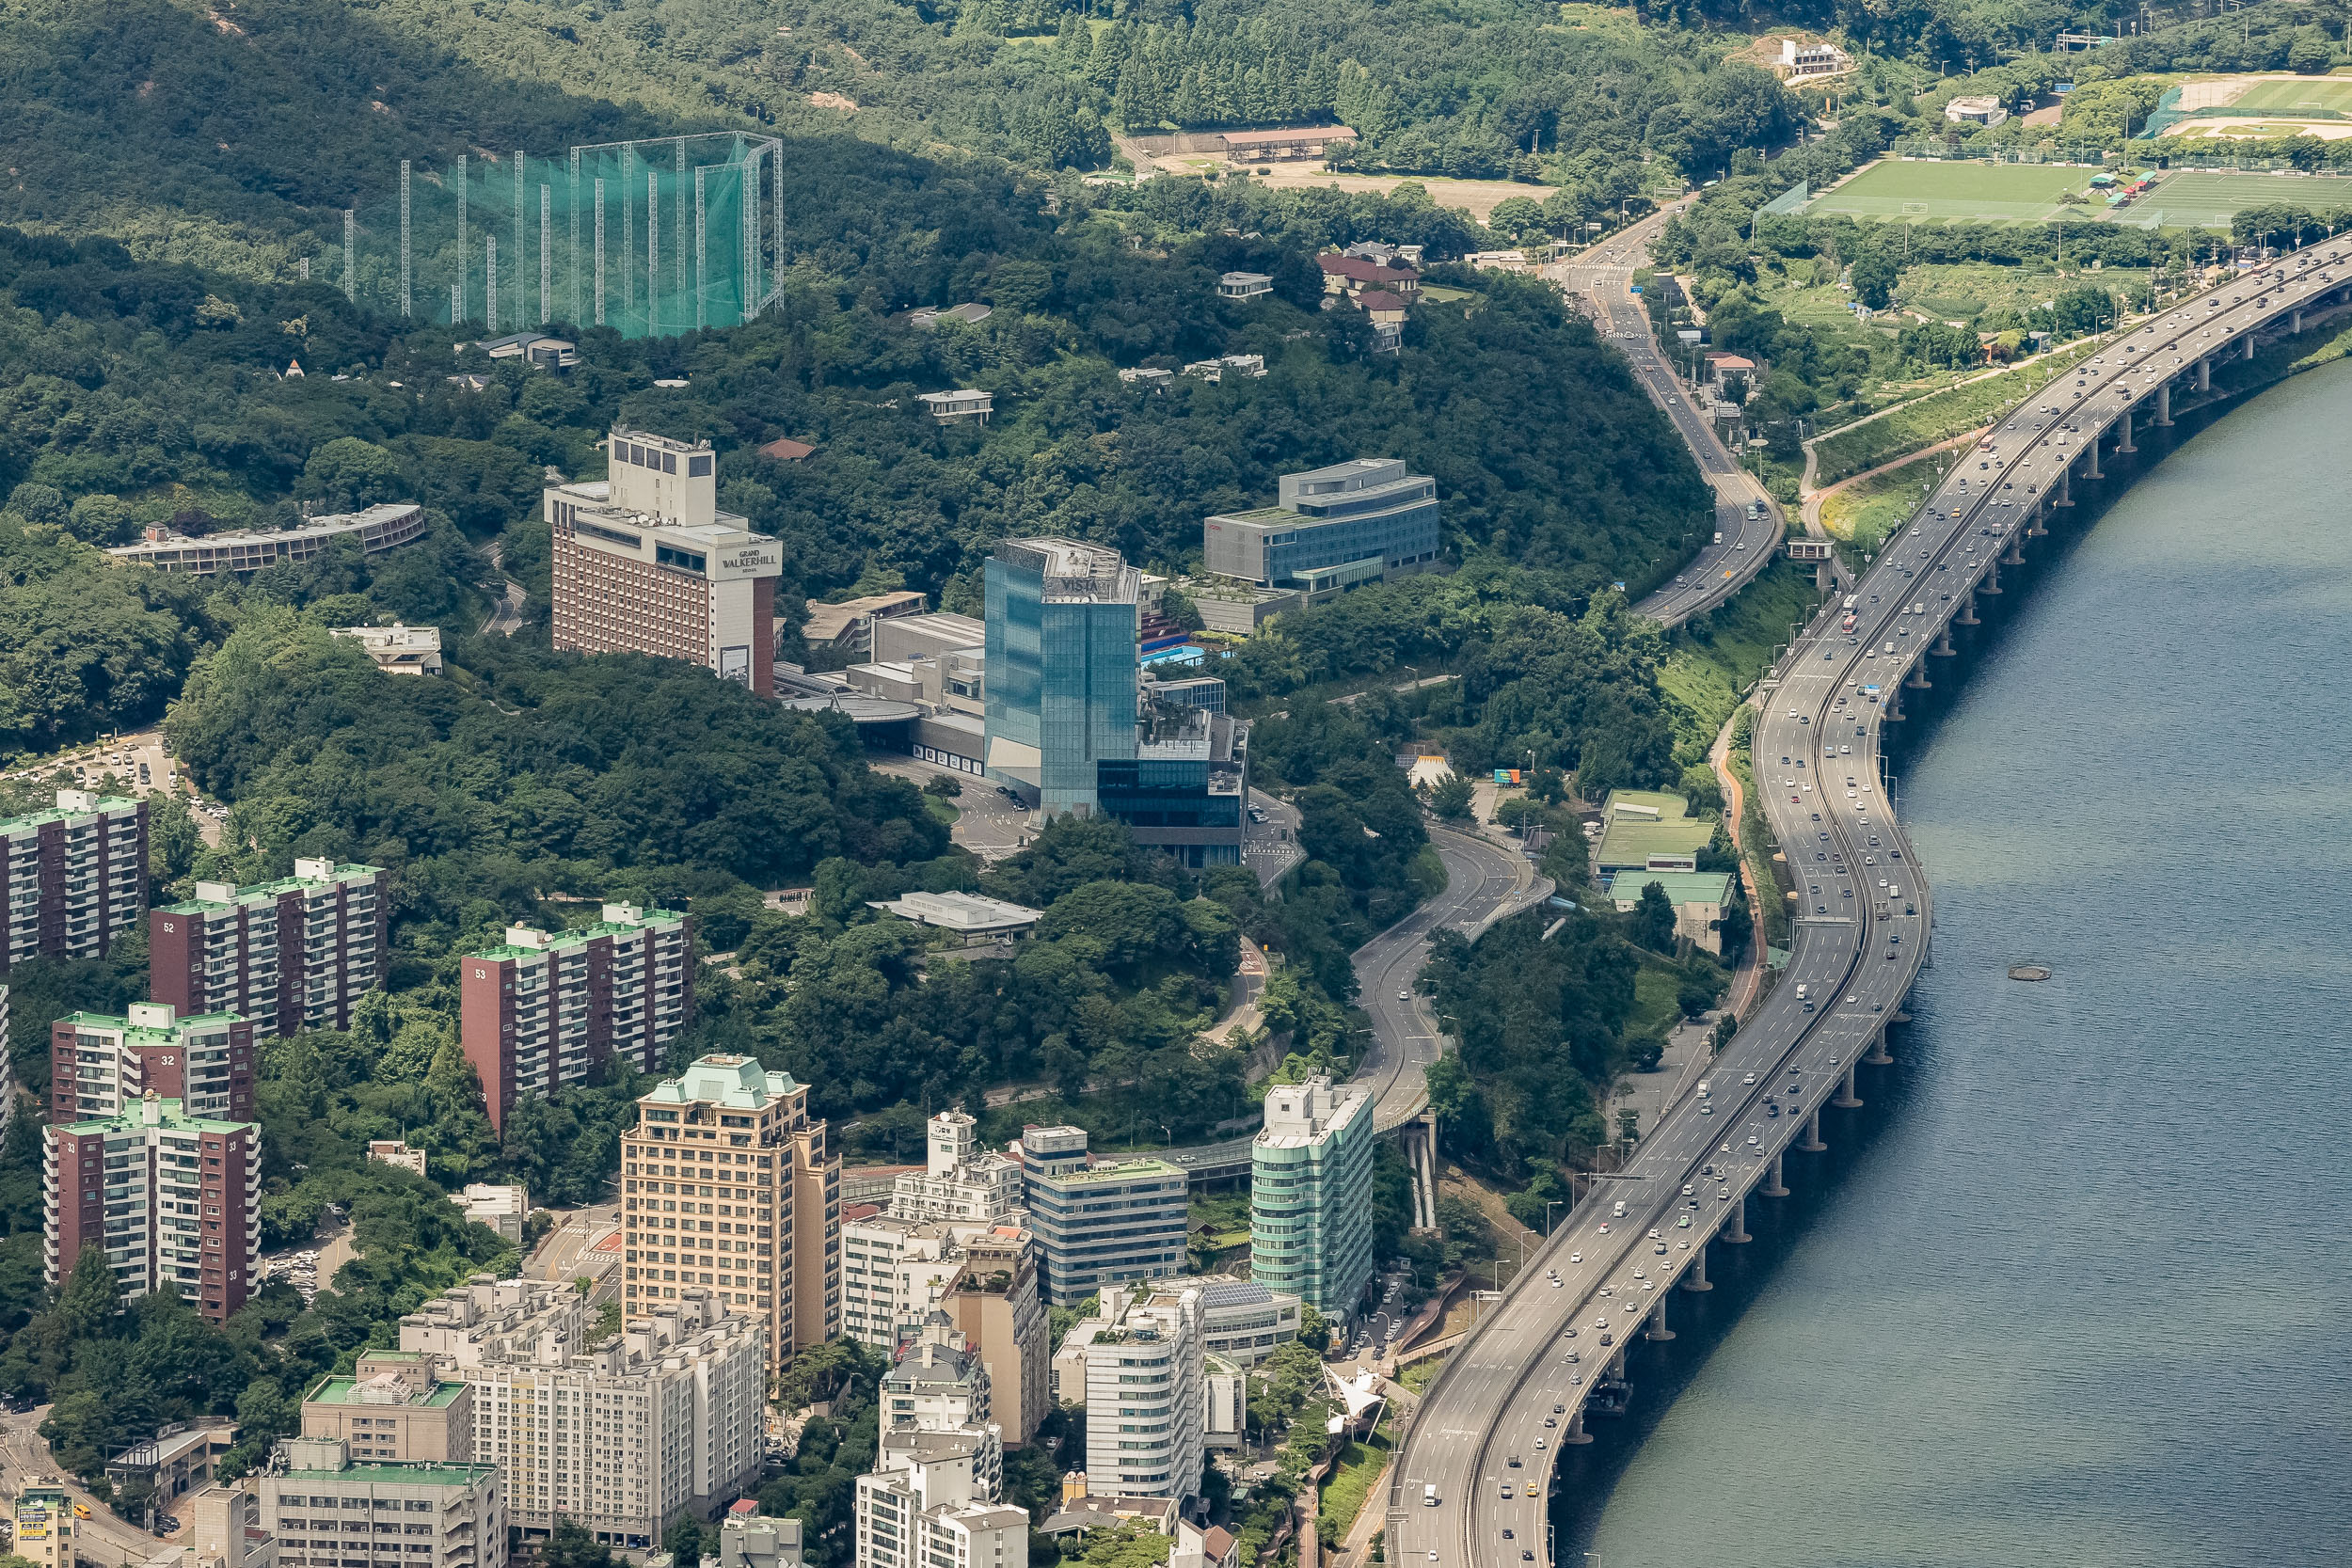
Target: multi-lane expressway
{"points": [[1468, 1488], [1748, 522]]}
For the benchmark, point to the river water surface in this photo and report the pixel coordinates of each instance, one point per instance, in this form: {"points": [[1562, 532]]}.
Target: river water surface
{"points": [[2076, 1287]]}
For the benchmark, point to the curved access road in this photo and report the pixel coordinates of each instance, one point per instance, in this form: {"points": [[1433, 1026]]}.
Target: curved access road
{"points": [[1485, 883], [1748, 522], [1468, 1488]]}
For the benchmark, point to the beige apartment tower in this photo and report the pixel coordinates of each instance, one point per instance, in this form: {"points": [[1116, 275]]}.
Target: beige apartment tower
{"points": [[728, 1185]]}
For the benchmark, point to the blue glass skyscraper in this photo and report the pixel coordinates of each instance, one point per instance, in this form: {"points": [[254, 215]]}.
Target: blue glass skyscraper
{"points": [[1062, 668]]}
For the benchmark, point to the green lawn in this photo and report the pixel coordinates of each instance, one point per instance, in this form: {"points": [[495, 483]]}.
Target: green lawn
{"points": [[2209, 199], [1714, 659], [1935, 419], [2320, 92], [1893, 188], [1869, 510], [1343, 1495]]}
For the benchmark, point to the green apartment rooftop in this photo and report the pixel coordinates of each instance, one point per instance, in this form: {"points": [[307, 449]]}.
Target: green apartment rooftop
{"points": [[149, 1023], [62, 812], [308, 875], [168, 1116], [523, 942], [346, 1390]]}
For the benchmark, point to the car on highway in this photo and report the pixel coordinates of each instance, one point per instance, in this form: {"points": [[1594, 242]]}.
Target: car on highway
{"points": [[1404, 996]]}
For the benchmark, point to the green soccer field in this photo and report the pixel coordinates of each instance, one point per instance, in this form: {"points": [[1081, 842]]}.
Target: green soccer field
{"points": [[2285, 98], [2209, 199], [1926, 190]]}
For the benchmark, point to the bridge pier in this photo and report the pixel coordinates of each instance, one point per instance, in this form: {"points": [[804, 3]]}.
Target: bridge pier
{"points": [[1943, 643], [2090, 451], [1916, 679], [2250, 345], [1576, 1434], [2064, 494], [2016, 556], [2296, 324], [2033, 525], [1967, 616], [1879, 1056], [1847, 1100], [2124, 447], [1736, 1232], [2164, 404], [1658, 1329], [1773, 1187], [1813, 1144], [1696, 1280], [1991, 581], [2204, 375]]}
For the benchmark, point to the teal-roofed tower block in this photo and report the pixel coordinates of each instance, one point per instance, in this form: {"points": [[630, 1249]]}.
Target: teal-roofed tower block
{"points": [[1311, 1195]]}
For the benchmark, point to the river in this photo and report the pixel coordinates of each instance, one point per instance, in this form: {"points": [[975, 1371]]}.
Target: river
{"points": [[2076, 1286]]}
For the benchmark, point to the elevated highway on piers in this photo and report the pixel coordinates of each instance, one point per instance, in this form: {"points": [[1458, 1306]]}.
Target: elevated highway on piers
{"points": [[1468, 1488]]}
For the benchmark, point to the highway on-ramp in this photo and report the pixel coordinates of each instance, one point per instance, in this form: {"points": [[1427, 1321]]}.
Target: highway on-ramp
{"points": [[1468, 1488], [1484, 883]]}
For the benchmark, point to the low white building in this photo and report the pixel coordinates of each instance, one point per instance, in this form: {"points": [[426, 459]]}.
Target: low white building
{"points": [[504, 1210], [1244, 285], [396, 649], [1978, 110], [967, 914], [1805, 59], [957, 406]]}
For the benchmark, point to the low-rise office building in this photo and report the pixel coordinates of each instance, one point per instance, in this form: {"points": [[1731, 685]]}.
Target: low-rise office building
{"points": [[329, 1511], [1245, 1322], [1186, 788], [294, 954], [72, 877], [1330, 529]]}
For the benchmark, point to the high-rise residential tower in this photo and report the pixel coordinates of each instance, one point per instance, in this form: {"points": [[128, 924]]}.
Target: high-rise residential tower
{"points": [[728, 1185], [543, 1008], [291, 954]]}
